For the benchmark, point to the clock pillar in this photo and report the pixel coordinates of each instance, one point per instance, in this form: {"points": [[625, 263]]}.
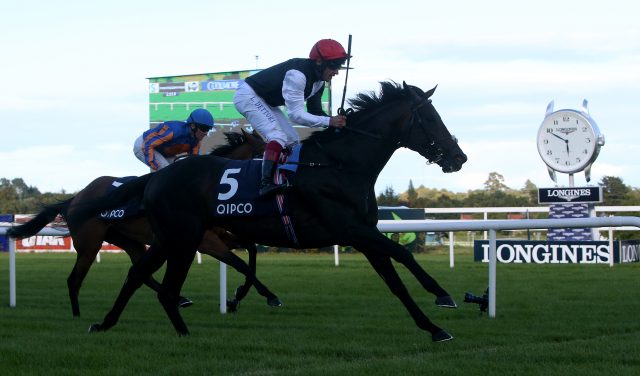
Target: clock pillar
{"points": [[569, 141]]}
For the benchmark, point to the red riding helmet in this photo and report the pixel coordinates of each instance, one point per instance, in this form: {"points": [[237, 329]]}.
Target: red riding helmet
{"points": [[328, 49]]}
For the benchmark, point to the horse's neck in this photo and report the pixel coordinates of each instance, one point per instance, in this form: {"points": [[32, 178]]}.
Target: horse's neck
{"points": [[369, 152], [384, 131], [242, 152]]}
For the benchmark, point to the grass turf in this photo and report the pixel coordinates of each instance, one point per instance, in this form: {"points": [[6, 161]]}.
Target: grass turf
{"points": [[551, 320]]}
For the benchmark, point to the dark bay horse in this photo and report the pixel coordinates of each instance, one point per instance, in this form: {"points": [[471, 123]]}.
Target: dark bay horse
{"points": [[133, 234], [331, 204]]}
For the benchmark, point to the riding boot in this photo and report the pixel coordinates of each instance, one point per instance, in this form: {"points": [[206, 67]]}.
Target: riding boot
{"points": [[271, 156], [267, 185]]}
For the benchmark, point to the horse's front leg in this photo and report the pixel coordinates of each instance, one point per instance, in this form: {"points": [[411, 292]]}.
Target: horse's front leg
{"points": [[401, 255], [382, 265]]}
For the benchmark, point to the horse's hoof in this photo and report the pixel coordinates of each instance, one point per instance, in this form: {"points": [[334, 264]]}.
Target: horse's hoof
{"points": [[232, 305], [184, 302], [183, 334], [275, 302], [94, 328], [446, 302], [441, 336]]}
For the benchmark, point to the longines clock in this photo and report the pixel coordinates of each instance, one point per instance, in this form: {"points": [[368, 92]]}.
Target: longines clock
{"points": [[569, 141]]}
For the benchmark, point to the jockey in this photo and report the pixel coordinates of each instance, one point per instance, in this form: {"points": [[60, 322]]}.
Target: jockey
{"points": [[158, 146], [290, 83]]}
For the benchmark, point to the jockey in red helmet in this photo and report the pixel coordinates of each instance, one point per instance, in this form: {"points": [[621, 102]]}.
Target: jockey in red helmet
{"points": [[289, 84]]}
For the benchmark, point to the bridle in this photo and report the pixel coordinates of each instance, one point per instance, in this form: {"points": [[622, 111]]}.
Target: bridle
{"points": [[435, 152]]}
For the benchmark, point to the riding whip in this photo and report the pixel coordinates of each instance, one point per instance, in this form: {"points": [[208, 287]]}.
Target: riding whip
{"points": [[341, 110]]}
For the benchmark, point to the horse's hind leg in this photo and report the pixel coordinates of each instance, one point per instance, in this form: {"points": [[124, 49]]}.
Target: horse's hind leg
{"points": [[138, 273], [243, 290], [251, 279], [74, 282], [86, 249], [136, 251], [178, 265], [237, 263], [217, 244]]}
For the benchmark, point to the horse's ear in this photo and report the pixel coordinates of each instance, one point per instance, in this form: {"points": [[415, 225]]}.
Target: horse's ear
{"points": [[414, 96], [253, 138], [429, 93]]}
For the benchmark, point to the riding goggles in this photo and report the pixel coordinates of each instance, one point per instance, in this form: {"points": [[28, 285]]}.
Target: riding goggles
{"points": [[203, 127]]}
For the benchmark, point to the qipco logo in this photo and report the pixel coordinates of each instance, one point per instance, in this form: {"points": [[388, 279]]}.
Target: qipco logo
{"points": [[119, 213]]}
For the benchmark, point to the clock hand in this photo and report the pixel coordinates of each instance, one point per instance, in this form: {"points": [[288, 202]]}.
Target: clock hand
{"points": [[565, 140]]}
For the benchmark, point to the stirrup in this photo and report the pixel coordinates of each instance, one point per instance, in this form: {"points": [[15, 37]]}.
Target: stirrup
{"points": [[267, 189]]}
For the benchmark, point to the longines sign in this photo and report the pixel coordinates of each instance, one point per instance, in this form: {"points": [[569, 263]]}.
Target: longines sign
{"points": [[570, 194], [557, 252]]}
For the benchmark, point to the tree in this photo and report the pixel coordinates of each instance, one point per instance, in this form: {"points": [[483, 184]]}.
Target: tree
{"points": [[614, 191], [412, 195], [16, 197], [495, 183], [388, 197], [530, 191]]}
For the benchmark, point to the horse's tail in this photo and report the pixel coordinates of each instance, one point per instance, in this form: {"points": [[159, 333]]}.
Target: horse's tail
{"points": [[37, 223], [80, 212]]}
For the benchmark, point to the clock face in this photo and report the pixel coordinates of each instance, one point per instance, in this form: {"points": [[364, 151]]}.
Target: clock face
{"points": [[567, 141]]}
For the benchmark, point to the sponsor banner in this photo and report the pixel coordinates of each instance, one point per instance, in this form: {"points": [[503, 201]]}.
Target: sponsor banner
{"points": [[44, 244], [547, 252], [569, 211], [630, 250], [4, 243], [191, 86], [411, 240], [214, 85], [569, 194], [171, 87], [41, 243]]}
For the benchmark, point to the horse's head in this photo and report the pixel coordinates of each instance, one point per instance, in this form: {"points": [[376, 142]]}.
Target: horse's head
{"points": [[427, 134]]}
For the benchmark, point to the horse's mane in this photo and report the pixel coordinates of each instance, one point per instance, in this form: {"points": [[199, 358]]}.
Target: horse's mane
{"points": [[234, 140], [390, 91]]}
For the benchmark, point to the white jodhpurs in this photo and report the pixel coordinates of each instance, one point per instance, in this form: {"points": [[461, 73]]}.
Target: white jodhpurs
{"points": [[270, 121], [160, 159]]}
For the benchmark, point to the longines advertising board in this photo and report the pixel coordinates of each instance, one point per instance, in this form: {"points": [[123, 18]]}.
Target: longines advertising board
{"points": [[557, 252], [569, 194]]}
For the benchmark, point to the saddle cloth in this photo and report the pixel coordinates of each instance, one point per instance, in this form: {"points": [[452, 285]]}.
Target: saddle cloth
{"points": [[238, 185], [130, 209]]}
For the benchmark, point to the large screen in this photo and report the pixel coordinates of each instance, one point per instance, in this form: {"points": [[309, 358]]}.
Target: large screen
{"points": [[174, 97]]}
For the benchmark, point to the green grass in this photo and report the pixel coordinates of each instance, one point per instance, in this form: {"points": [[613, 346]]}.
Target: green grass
{"points": [[551, 320]]}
